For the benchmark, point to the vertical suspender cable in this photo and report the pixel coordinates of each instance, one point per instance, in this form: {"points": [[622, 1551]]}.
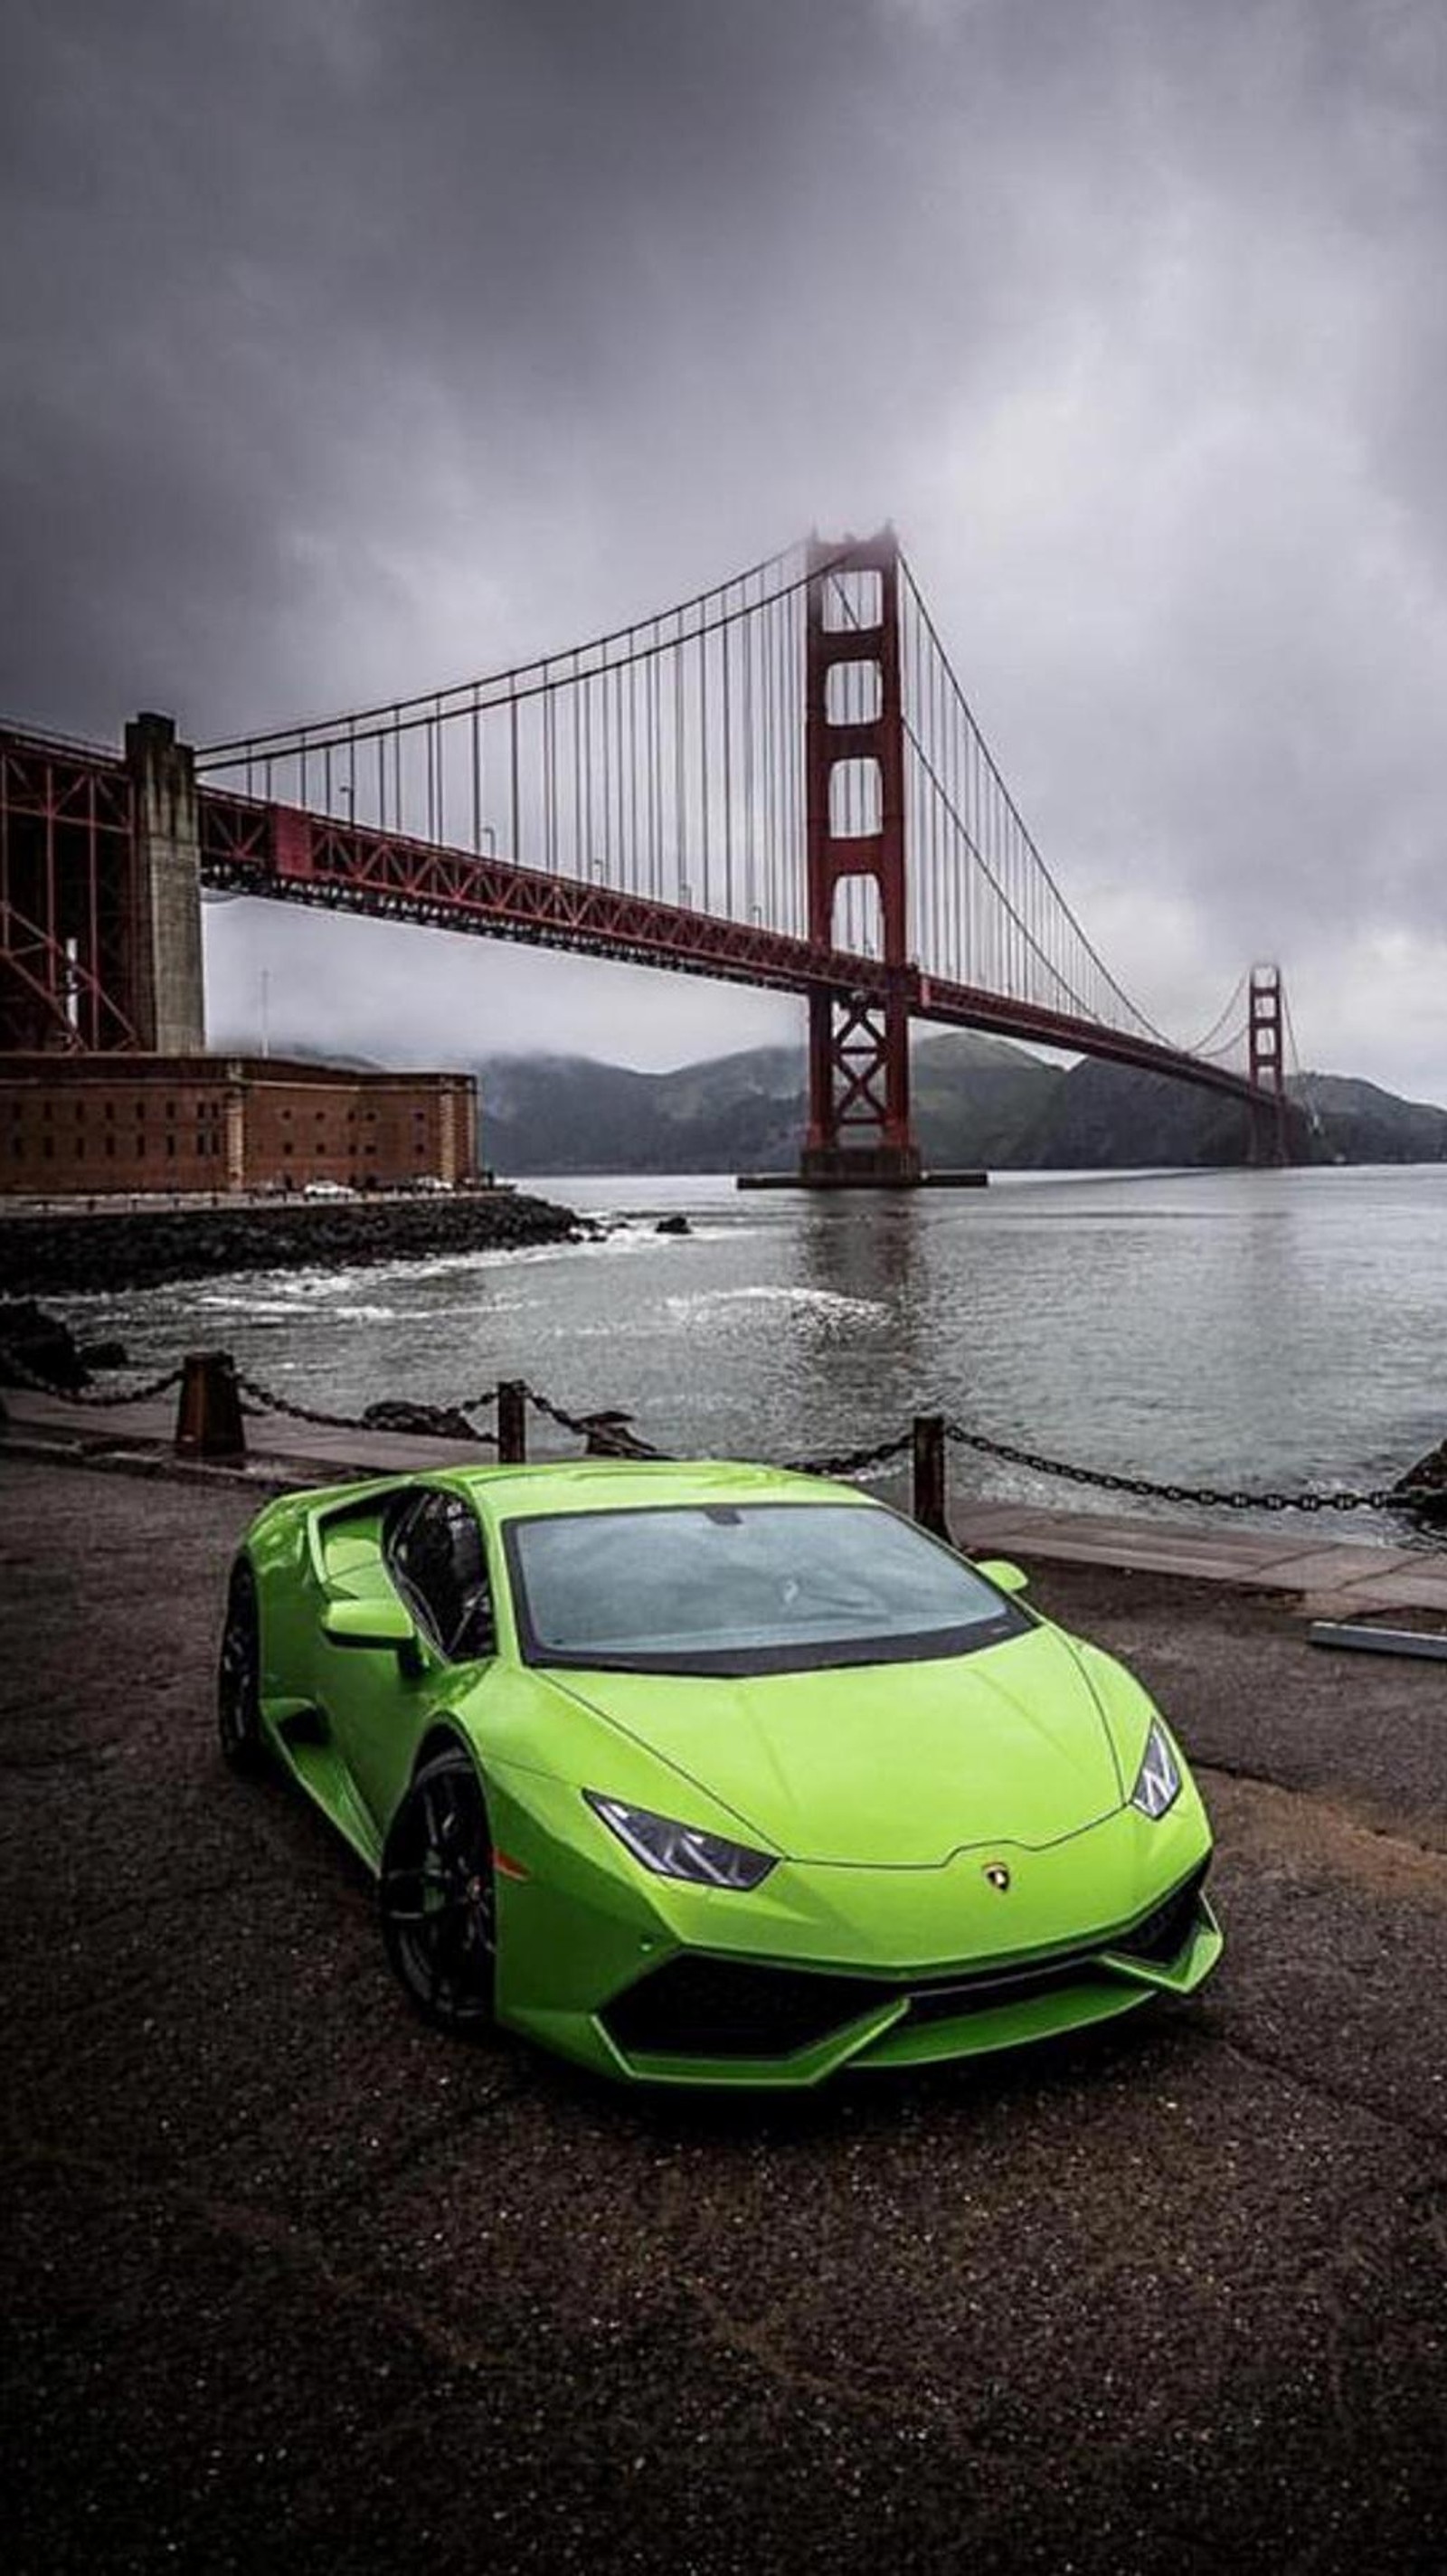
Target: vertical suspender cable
{"points": [[728, 778]]}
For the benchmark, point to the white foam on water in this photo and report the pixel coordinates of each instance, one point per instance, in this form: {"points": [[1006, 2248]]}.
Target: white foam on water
{"points": [[821, 1301]]}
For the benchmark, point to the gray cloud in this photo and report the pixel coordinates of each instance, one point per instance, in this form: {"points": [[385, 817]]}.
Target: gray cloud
{"points": [[353, 346]]}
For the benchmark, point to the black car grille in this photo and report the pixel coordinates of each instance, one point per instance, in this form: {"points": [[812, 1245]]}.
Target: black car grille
{"points": [[696, 2005]]}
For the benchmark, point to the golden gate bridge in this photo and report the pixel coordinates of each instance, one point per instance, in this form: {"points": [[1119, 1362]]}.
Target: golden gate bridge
{"points": [[778, 782]]}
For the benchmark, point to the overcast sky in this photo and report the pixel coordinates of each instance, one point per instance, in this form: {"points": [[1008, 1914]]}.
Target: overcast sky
{"points": [[352, 346]]}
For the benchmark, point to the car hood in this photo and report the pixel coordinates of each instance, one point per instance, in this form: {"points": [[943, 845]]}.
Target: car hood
{"points": [[884, 1765]]}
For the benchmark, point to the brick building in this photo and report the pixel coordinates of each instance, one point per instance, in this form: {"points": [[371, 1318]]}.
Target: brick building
{"points": [[92, 1123]]}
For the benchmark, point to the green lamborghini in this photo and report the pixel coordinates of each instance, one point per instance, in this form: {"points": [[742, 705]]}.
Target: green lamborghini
{"points": [[712, 1774]]}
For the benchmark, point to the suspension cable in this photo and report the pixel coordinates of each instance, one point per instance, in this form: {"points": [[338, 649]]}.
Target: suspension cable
{"points": [[1013, 811], [432, 706]]}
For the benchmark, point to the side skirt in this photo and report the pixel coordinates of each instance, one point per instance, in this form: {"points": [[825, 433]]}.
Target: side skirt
{"points": [[298, 1737]]}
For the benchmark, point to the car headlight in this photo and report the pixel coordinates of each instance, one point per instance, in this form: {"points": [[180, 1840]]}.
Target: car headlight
{"points": [[681, 1851], [1158, 1781]]}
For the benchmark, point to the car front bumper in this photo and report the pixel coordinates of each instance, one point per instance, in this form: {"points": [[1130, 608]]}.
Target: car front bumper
{"points": [[827, 1967]]}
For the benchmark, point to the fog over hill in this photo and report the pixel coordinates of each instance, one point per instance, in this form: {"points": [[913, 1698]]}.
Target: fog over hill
{"points": [[978, 1101]]}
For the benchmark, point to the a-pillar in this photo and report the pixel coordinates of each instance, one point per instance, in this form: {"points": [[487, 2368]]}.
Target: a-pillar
{"points": [[860, 1133], [170, 1004]]}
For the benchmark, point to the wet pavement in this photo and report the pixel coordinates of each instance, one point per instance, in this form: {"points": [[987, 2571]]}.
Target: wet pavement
{"points": [[294, 2282]]}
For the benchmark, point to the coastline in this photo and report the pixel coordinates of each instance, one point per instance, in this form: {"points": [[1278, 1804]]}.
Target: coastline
{"points": [[52, 1253]]}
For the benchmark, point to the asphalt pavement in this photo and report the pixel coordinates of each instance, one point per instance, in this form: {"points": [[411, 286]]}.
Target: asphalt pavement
{"points": [[294, 2283]]}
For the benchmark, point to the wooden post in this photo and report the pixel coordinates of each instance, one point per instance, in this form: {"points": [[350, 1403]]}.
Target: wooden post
{"points": [[209, 1421], [512, 1422], [929, 1474]]}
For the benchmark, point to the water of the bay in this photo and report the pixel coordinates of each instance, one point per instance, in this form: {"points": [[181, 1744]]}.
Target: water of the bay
{"points": [[1275, 1329]]}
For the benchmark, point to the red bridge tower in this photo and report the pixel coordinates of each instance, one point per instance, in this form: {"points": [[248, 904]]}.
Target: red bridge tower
{"points": [[859, 1129], [1265, 1032]]}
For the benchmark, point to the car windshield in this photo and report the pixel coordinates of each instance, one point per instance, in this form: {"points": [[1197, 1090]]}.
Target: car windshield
{"points": [[744, 1588]]}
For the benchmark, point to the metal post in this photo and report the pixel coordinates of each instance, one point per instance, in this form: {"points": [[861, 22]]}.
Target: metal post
{"points": [[928, 1505], [209, 1420], [512, 1422]]}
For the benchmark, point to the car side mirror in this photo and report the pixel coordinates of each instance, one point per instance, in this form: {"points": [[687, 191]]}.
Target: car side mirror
{"points": [[1004, 1576], [377, 1623]]}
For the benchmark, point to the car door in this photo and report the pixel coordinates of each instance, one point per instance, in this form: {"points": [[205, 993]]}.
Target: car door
{"points": [[433, 1551]]}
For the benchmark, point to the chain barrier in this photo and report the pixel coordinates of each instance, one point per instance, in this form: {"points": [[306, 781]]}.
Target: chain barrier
{"points": [[98, 1400], [595, 1428], [603, 1432], [266, 1400], [1236, 1498], [852, 1462]]}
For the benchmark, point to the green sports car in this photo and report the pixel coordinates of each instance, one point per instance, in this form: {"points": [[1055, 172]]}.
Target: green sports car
{"points": [[713, 1774]]}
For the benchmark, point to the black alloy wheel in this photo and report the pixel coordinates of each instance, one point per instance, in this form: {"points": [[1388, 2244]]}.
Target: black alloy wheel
{"points": [[438, 1895], [238, 1678]]}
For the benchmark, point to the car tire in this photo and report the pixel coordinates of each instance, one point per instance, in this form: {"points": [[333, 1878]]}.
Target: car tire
{"points": [[438, 1896], [238, 1676]]}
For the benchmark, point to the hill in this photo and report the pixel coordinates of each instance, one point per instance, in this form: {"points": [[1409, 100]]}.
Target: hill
{"points": [[978, 1101], [975, 1099], [1367, 1125]]}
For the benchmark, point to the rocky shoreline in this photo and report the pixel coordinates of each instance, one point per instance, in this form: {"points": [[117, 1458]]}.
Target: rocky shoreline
{"points": [[53, 1255]]}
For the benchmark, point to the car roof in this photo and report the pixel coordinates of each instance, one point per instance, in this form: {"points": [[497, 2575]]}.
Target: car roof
{"points": [[629, 1484]]}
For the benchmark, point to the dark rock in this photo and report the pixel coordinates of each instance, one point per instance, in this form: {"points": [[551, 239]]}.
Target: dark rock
{"points": [[1426, 1483], [140, 1247], [606, 1435], [105, 1355], [673, 1225], [434, 1421], [41, 1344]]}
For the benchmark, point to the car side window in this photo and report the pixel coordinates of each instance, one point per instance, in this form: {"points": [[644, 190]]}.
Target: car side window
{"points": [[437, 1559]]}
